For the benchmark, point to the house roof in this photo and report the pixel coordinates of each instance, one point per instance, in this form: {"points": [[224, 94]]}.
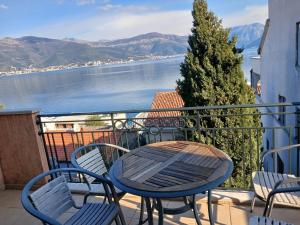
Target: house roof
{"points": [[165, 100], [263, 38]]}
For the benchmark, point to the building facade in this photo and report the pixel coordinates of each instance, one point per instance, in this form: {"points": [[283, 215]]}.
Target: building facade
{"points": [[275, 76]]}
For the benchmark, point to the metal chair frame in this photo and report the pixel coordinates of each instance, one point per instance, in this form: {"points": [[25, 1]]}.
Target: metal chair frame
{"points": [[260, 220], [120, 195], [278, 188], [74, 162], [29, 206]]}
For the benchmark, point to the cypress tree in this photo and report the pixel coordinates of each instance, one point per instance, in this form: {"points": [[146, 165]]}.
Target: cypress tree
{"points": [[212, 75]]}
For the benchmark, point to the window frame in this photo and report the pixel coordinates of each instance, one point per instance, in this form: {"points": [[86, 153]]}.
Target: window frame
{"points": [[281, 109], [298, 44]]}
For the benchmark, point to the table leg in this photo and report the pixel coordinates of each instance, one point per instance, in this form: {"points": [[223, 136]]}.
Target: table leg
{"points": [[160, 212], [209, 207], [196, 210], [149, 211]]}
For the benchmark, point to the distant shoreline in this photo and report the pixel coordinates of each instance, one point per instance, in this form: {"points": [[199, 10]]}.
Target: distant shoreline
{"points": [[86, 65]]}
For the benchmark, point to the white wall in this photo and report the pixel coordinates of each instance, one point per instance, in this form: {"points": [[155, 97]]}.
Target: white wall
{"points": [[279, 73], [255, 63]]}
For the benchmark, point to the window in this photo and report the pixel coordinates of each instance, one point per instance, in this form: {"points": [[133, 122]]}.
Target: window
{"points": [[297, 125], [281, 110], [298, 44], [64, 126]]}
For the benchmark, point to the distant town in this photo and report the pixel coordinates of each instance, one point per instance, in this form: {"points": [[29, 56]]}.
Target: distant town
{"points": [[31, 69]]}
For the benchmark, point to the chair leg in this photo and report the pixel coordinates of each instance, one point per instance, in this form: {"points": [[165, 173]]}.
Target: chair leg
{"points": [[85, 198], [268, 206], [117, 220], [196, 210], [253, 203], [266, 209], [120, 218], [149, 211], [142, 211], [271, 207]]}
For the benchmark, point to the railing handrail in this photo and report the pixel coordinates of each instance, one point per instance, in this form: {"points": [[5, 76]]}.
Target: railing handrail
{"points": [[152, 125], [173, 109]]}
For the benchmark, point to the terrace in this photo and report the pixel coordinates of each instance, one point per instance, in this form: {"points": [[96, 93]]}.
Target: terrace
{"points": [[225, 211], [28, 147]]}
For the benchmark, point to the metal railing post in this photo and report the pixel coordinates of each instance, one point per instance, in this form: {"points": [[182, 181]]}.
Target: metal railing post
{"points": [[198, 123], [41, 133], [114, 127], [275, 154]]}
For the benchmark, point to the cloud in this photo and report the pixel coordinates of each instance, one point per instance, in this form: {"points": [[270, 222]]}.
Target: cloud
{"points": [[115, 21], [81, 2], [85, 2], [126, 9], [109, 7], [122, 23], [3, 7], [250, 14]]}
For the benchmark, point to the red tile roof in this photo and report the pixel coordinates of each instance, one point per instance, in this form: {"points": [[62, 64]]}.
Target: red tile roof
{"points": [[167, 99], [164, 100]]}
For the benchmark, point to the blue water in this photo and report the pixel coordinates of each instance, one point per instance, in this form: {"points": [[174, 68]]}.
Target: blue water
{"points": [[103, 88]]}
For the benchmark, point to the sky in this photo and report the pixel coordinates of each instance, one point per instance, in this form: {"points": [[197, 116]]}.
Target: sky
{"points": [[113, 19]]}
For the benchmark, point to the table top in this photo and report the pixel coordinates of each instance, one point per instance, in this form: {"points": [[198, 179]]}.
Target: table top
{"points": [[171, 169]]}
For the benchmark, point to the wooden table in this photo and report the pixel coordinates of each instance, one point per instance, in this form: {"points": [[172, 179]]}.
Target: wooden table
{"points": [[170, 170]]}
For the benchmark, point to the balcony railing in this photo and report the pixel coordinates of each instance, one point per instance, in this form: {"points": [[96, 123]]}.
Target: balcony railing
{"points": [[225, 127]]}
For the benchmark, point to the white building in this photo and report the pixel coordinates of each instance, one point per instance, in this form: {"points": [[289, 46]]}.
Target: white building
{"points": [[276, 73], [77, 122]]}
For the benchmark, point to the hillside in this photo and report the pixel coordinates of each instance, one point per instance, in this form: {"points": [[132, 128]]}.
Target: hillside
{"points": [[248, 35], [43, 52]]}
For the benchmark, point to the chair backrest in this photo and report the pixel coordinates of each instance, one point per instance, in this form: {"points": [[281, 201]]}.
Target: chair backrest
{"points": [[54, 198], [93, 162]]}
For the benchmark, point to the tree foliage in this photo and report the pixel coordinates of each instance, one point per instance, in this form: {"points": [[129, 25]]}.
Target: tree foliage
{"points": [[95, 120], [212, 75]]}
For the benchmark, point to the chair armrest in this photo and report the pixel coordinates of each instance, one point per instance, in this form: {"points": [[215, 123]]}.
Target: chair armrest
{"points": [[102, 179], [114, 146], [290, 180], [106, 183], [283, 190], [276, 150]]}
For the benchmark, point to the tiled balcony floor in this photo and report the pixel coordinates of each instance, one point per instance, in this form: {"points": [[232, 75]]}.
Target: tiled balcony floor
{"points": [[225, 212]]}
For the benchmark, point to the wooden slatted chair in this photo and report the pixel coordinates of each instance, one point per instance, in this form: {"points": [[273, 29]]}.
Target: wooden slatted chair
{"points": [[276, 188], [98, 158], [52, 200], [90, 157], [260, 220]]}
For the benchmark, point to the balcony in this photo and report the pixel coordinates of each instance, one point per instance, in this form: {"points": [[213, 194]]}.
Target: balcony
{"points": [[45, 147]]}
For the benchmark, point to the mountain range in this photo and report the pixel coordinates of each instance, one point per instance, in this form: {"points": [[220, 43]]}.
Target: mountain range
{"points": [[248, 35], [43, 52]]}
